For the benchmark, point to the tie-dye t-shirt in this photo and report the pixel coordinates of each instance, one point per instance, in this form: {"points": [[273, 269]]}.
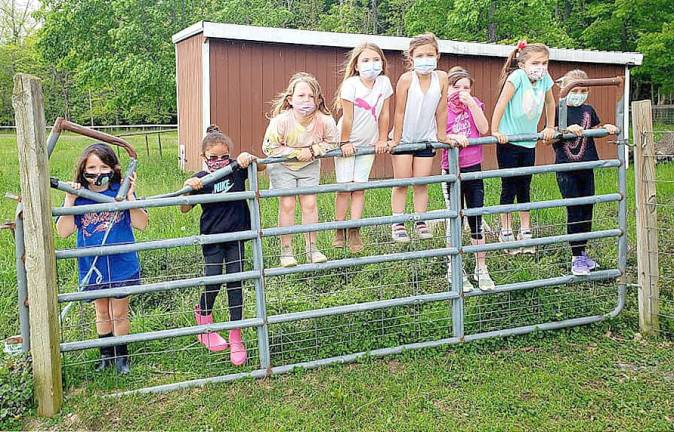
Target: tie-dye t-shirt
{"points": [[367, 106], [524, 110], [285, 136]]}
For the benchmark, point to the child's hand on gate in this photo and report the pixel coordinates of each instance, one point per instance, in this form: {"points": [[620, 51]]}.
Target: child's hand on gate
{"points": [[611, 129], [456, 139], [194, 183], [548, 135], [70, 198], [244, 159], [501, 138], [348, 150], [381, 147], [575, 129], [132, 188], [305, 155]]}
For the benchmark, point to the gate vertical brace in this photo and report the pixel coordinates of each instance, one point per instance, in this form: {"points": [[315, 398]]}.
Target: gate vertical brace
{"points": [[258, 265], [456, 285]]}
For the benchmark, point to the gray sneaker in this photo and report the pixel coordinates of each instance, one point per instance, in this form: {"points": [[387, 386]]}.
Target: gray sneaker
{"points": [[579, 266]]}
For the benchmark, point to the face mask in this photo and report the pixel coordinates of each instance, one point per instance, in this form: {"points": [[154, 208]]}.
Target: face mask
{"points": [[215, 164], [576, 99], [369, 71], [536, 73], [455, 104], [425, 65], [305, 109], [101, 179]]}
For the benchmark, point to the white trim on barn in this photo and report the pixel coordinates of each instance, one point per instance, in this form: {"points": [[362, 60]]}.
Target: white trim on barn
{"points": [[349, 40], [205, 85]]}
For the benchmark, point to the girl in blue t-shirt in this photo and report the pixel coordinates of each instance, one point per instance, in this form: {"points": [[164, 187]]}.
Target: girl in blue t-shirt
{"points": [[220, 218], [526, 87], [99, 171]]}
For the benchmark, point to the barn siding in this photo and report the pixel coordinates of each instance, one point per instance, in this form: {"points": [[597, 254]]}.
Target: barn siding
{"points": [[189, 91], [245, 77]]}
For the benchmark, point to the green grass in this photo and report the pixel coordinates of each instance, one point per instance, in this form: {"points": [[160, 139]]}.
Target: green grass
{"points": [[564, 380]]}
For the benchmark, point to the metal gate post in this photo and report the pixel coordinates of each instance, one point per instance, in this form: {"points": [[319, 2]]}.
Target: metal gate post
{"points": [[455, 239]]}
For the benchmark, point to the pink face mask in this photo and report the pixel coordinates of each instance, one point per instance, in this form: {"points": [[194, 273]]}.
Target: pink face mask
{"points": [[214, 164], [305, 109], [455, 104]]}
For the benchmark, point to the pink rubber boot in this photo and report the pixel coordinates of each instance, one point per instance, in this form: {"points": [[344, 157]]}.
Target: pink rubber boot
{"points": [[238, 354], [213, 341]]}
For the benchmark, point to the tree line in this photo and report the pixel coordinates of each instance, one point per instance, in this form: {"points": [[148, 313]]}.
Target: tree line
{"points": [[113, 62]]}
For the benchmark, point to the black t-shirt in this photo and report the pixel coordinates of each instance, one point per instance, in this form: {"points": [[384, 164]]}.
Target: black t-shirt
{"points": [[224, 217], [580, 149]]}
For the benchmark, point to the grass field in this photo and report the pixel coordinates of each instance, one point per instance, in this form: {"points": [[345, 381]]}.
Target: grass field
{"points": [[595, 378]]}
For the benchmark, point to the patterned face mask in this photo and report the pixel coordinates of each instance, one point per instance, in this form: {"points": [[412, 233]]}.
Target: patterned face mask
{"points": [[455, 104], [215, 163], [100, 179], [576, 99], [536, 73]]}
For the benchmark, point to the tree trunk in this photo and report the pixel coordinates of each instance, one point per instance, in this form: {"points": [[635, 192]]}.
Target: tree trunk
{"points": [[491, 22]]}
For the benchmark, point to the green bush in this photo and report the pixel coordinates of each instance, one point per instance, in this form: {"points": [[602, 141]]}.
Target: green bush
{"points": [[16, 386]]}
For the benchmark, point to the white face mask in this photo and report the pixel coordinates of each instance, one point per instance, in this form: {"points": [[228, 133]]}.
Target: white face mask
{"points": [[305, 109], [425, 65], [536, 73], [576, 99], [370, 70]]}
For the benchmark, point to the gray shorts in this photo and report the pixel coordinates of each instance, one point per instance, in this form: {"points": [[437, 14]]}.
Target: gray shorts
{"points": [[281, 177]]}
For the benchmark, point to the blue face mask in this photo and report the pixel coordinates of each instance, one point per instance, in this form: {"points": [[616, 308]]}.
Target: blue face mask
{"points": [[425, 65], [370, 70]]}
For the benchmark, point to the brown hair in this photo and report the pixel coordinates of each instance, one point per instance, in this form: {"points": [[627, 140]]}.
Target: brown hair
{"points": [[280, 102], [214, 137], [417, 41], [349, 69], [520, 55], [106, 154], [571, 75], [457, 73]]}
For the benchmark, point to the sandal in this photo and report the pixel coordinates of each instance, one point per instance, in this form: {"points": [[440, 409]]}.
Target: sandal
{"points": [[399, 233], [422, 231]]}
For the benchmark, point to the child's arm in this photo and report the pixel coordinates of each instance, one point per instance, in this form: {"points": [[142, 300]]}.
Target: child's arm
{"points": [[347, 124], [441, 110], [65, 225], [274, 142], [245, 159], [330, 137], [383, 125], [549, 131], [476, 112], [401, 101], [503, 99], [194, 183], [139, 216]]}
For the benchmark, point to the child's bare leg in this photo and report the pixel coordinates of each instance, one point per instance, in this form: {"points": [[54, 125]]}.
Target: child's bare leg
{"points": [[119, 310], [506, 221], [286, 217], [402, 168], [421, 167], [525, 222], [480, 257], [103, 320], [357, 204], [342, 205], [309, 215]]}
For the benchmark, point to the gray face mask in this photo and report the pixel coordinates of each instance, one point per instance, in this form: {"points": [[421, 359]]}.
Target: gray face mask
{"points": [[576, 99]]}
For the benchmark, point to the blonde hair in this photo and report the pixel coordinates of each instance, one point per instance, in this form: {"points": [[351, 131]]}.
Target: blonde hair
{"points": [[280, 102], [457, 73], [520, 55], [417, 41], [571, 75], [350, 67]]}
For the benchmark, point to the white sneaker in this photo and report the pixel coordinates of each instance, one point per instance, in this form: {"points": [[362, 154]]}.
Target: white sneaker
{"points": [[526, 235], [465, 285], [505, 237], [316, 256], [287, 258], [484, 281]]}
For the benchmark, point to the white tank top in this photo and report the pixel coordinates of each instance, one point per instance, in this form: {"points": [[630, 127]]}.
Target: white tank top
{"points": [[419, 123]]}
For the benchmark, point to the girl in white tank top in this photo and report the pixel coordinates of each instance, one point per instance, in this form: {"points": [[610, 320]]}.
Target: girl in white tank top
{"points": [[421, 104]]}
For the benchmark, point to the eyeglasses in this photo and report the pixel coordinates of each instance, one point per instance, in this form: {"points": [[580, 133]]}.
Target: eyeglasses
{"points": [[217, 158]]}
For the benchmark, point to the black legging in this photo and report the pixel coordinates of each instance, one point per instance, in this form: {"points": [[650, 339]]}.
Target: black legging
{"points": [[576, 184], [472, 193], [231, 254], [515, 156]]}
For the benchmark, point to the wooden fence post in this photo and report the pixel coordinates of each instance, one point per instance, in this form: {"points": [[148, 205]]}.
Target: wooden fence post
{"points": [[646, 222], [45, 329]]}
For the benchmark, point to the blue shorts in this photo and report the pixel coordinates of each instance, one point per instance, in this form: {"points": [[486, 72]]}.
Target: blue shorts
{"points": [[132, 280]]}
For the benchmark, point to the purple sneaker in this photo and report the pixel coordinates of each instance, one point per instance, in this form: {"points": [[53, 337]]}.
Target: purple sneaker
{"points": [[579, 266], [591, 264]]}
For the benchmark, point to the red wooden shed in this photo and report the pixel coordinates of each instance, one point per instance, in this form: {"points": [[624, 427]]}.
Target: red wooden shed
{"points": [[227, 74]]}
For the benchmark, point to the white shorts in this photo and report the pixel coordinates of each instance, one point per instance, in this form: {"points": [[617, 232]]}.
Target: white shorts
{"points": [[353, 168]]}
